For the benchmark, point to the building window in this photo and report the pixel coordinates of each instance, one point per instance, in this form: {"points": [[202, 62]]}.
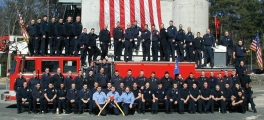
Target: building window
{"points": [[28, 66], [52, 65], [69, 65]]}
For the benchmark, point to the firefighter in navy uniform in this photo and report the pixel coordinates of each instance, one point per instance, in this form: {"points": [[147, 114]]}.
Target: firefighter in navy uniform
{"points": [[179, 81], [239, 53], [153, 81], [44, 30], [68, 81], [24, 95], [221, 81], [198, 49], [19, 82], [248, 92], [52, 35], [37, 95], [173, 96], [167, 81], [38, 38], [145, 39], [171, 34], [118, 35], [240, 69], [180, 37], [195, 97], [83, 38], [227, 97], [69, 43], [136, 34], [50, 95], [212, 81], [235, 79], [89, 80], [84, 98], [206, 96], [137, 95], [102, 78], [190, 80], [129, 43], [141, 80], [105, 40], [106, 66], [57, 79], [228, 79], [164, 51], [227, 41], [202, 79], [116, 79], [209, 44], [129, 79], [91, 67], [236, 90], [61, 97], [147, 97], [46, 79], [72, 98], [92, 103], [189, 46], [93, 50], [33, 81], [239, 103], [155, 35], [59, 37], [184, 97], [77, 28], [32, 31], [79, 80], [160, 96], [217, 96]]}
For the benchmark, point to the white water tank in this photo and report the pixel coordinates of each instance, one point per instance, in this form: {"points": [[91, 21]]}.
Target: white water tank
{"points": [[191, 13]]}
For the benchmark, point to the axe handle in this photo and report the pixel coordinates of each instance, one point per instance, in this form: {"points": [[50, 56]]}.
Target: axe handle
{"points": [[103, 107], [119, 108]]}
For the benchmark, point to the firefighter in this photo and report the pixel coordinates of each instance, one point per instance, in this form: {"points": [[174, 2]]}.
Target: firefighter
{"points": [[180, 37], [145, 39], [50, 95], [38, 38], [209, 44], [105, 40], [84, 98], [127, 98], [164, 51], [72, 98], [155, 43], [46, 79], [19, 82], [69, 43], [118, 35], [76, 31], [24, 95], [89, 80], [129, 79], [61, 97], [100, 99], [227, 41], [136, 34], [33, 81], [93, 50], [129, 43], [239, 53], [52, 35], [68, 81], [147, 97], [198, 49], [172, 32], [44, 30], [32, 31], [79, 80], [59, 37], [160, 97], [116, 79], [83, 46], [37, 95], [189, 45], [112, 106], [137, 95], [57, 79], [102, 78]]}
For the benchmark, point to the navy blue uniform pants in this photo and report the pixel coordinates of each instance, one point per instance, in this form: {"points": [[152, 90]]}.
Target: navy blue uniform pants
{"points": [[189, 52], [207, 105], [82, 104], [58, 45], [117, 49], [83, 54], [104, 48], [155, 50], [180, 51], [68, 103], [209, 55], [35, 104], [172, 49], [164, 51], [93, 53], [198, 58], [192, 105], [128, 50], [146, 50], [54, 104], [61, 104], [19, 103]]}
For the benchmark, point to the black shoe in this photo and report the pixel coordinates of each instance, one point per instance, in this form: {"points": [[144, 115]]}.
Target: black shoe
{"points": [[90, 113], [75, 112], [255, 111], [67, 112], [18, 112], [143, 112], [29, 112]]}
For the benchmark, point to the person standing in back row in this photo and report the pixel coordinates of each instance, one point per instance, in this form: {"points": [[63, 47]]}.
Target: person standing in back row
{"points": [[129, 43], [164, 51], [76, 31], [84, 37], [189, 46], [105, 40], [68, 37], [93, 50], [44, 30], [155, 43], [198, 50], [145, 36], [59, 36], [239, 53], [172, 32], [227, 41], [180, 37], [118, 35], [209, 44], [52, 35]]}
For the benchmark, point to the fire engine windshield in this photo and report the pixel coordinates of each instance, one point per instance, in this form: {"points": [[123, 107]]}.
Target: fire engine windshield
{"points": [[13, 67]]}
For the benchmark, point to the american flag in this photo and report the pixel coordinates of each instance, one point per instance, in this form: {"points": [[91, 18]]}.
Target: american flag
{"points": [[23, 28], [127, 11], [255, 46]]}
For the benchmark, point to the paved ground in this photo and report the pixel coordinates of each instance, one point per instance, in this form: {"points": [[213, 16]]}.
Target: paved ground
{"points": [[7, 112]]}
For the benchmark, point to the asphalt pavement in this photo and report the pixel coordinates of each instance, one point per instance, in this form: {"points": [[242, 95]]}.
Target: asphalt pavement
{"points": [[8, 112]]}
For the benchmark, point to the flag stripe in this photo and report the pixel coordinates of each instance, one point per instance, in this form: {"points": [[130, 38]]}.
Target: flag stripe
{"points": [[127, 12], [159, 11], [151, 12], [137, 11], [112, 15], [132, 11], [146, 6], [122, 14], [107, 12], [142, 13], [155, 14], [102, 14], [117, 10]]}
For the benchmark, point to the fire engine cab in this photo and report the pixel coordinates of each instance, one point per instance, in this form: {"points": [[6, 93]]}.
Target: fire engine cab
{"points": [[28, 64]]}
